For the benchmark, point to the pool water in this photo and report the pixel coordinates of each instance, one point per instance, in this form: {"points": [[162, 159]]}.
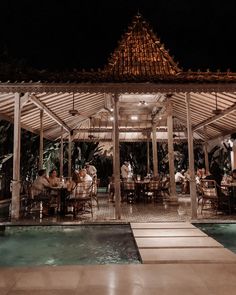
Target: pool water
{"points": [[67, 245], [224, 233]]}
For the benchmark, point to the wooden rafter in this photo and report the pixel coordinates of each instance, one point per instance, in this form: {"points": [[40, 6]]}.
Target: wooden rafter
{"points": [[42, 106], [215, 118]]}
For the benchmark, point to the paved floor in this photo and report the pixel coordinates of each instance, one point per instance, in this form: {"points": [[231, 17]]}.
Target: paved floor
{"points": [[145, 279], [137, 212]]}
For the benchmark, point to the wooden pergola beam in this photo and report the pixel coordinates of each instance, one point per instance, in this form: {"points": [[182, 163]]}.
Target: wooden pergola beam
{"points": [[47, 111], [215, 118], [121, 130]]}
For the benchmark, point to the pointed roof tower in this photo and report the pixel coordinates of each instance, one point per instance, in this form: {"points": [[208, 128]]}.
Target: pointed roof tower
{"points": [[141, 54]]}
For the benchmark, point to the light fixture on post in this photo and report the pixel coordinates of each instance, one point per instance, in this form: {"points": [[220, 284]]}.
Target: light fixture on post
{"points": [[216, 111], [73, 112], [91, 129]]}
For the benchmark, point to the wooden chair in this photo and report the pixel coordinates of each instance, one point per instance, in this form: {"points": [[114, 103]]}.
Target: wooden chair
{"points": [[94, 193], [153, 190], [81, 199], [212, 197], [129, 191]]}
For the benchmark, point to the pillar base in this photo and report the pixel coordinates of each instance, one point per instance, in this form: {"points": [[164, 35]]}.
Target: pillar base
{"points": [[173, 200]]}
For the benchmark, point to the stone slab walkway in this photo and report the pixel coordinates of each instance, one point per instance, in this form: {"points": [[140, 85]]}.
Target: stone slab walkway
{"points": [[178, 243]]}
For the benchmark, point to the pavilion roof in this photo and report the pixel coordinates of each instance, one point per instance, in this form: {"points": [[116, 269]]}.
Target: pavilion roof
{"points": [[141, 54], [141, 70]]}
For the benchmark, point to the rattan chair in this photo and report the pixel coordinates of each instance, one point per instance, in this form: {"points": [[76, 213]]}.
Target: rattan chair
{"points": [[80, 199]]}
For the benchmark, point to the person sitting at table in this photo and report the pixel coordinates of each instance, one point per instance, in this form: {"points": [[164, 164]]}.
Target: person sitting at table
{"points": [[80, 184], [179, 179], [39, 187], [53, 179], [80, 187], [40, 183], [91, 170], [234, 176]]}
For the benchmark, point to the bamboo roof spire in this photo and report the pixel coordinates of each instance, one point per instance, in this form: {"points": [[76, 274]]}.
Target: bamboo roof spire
{"points": [[140, 53]]}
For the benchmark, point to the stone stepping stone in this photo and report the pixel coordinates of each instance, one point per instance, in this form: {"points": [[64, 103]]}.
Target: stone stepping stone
{"points": [[161, 225], [177, 242], [193, 255], [168, 233]]}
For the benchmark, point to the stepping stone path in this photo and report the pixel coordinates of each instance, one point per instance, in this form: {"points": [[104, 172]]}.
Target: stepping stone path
{"points": [[178, 242]]}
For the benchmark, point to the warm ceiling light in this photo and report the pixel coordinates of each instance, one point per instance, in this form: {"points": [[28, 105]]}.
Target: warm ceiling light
{"points": [[111, 118], [142, 103], [111, 109], [134, 117]]}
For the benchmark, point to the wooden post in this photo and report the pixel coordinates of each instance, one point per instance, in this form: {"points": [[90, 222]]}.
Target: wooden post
{"points": [[69, 155], [41, 141], [233, 156], [116, 157], [15, 204], [193, 192], [154, 148], [206, 151], [173, 197], [61, 153], [148, 153]]}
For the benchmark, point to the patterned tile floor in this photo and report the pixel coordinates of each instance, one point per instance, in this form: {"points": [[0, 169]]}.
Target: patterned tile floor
{"points": [[137, 212]]}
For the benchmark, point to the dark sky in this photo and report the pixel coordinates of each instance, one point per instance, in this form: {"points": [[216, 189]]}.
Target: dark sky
{"points": [[81, 34]]}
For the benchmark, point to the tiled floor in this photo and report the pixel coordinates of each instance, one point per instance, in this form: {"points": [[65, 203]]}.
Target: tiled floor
{"points": [[138, 212]]}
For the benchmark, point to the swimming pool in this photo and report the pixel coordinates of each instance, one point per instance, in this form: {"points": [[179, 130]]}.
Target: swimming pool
{"points": [[224, 233], [67, 245]]}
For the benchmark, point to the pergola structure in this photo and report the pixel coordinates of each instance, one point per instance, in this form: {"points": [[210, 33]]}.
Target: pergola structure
{"points": [[140, 95]]}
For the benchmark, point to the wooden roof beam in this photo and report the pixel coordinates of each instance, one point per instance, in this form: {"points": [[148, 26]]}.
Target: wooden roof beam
{"points": [[121, 129], [53, 116], [216, 117]]}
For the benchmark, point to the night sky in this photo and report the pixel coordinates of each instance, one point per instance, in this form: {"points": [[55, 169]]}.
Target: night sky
{"points": [[82, 34]]}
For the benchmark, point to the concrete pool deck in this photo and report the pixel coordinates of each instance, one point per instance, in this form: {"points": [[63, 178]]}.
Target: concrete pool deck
{"points": [[165, 279], [178, 259]]}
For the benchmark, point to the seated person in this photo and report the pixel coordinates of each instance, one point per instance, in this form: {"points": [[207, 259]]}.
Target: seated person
{"points": [[91, 170], [40, 183], [234, 176], [179, 180], [53, 179], [80, 184]]}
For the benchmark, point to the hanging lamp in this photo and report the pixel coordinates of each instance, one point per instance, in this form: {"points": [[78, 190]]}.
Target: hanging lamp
{"points": [[73, 112], [216, 111]]}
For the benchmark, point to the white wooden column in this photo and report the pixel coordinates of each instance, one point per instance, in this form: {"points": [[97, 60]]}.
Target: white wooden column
{"points": [[69, 154], [148, 153], [193, 193], [61, 153], [116, 157], [173, 197], [41, 141], [206, 150], [15, 203], [154, 148], [233, 156]]}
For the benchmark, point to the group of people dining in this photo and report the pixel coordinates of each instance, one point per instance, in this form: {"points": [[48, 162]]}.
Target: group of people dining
{"points": [[182, 177], [46, 187]]}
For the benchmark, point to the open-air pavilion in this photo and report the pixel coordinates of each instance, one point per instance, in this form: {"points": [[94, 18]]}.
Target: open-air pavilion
{"points": [[140, 95]]}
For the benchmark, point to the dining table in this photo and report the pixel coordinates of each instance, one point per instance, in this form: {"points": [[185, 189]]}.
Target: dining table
{"points": [[140, 187], [61, 193]]}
